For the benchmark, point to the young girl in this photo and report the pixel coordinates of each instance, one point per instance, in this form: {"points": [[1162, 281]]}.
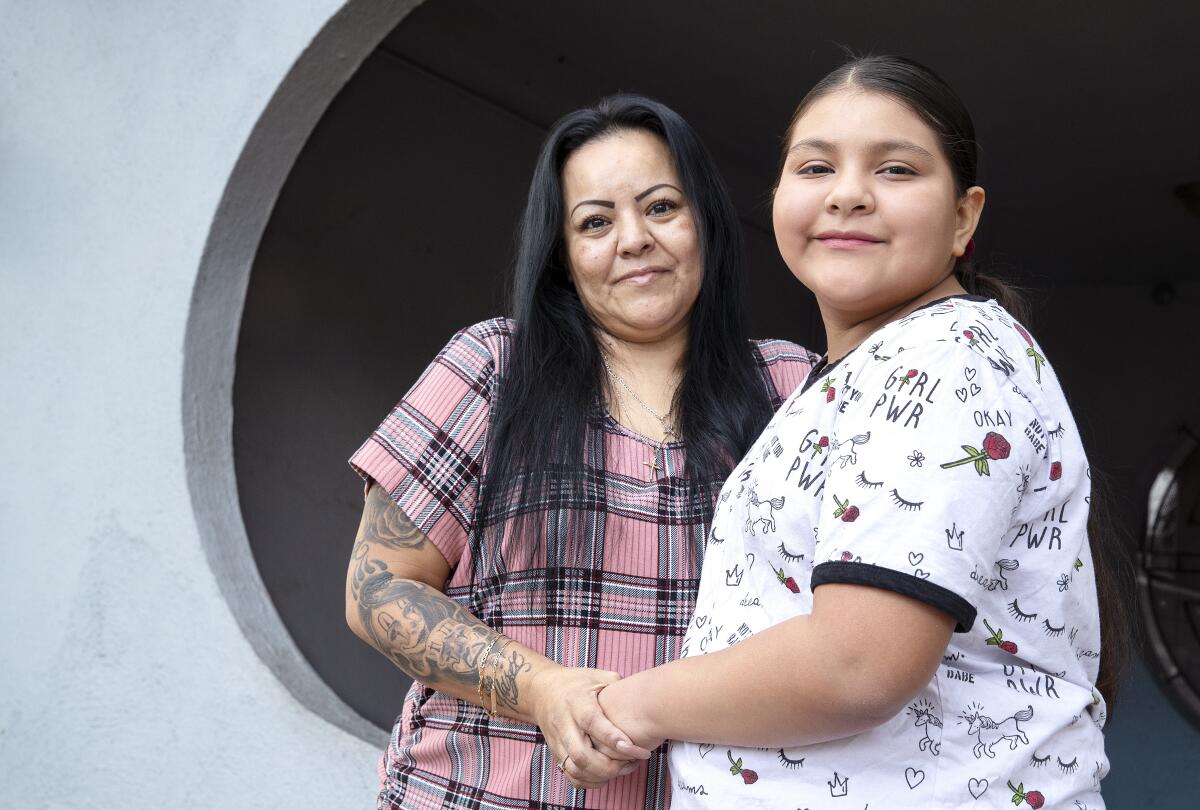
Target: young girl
{"points": [[898, 606]]}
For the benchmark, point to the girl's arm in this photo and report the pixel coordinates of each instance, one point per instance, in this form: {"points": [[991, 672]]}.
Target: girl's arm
{"points": [[849, 666], [395, 603]]}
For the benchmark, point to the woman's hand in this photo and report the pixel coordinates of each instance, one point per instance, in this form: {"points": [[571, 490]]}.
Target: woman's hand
{"points": [[587, 746]]}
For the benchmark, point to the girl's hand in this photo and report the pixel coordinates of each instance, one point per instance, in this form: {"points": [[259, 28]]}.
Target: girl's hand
{"points": [[576, 731], [618, 701]]}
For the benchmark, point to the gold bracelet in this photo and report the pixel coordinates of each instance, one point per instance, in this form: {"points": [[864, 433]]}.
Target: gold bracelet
{"points": [[479, 669], [499, 652]]}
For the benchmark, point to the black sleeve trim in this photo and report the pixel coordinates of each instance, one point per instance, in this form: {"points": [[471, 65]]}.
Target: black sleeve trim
{"points": [[856, 573]]}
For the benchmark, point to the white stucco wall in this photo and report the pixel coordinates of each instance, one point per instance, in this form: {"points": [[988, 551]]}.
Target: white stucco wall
{"points": [[126, 681]]}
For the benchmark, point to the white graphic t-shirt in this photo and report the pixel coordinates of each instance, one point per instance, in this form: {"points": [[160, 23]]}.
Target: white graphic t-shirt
{"points": [[939, 460]]}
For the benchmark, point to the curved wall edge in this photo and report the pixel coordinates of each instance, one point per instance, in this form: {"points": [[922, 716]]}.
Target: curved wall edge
{"points": [[214, 321]]}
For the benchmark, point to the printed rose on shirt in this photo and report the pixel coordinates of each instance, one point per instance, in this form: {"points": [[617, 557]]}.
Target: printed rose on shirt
{"points": [[829, 389], [844, 510], [1033, 798], [785, 580], [997, 639], [735, 768], [995, 448]]}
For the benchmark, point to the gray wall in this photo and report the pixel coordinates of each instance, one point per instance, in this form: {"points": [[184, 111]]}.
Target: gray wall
{"points": [[127, 682]]}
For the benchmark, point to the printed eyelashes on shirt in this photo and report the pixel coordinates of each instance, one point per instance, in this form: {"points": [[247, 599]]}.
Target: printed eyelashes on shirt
{"points": [[1057, 432], [790, 764], [1068, 767], [1038, 762], [787, 555], [1051, 630], [1015, 611], [866, 483], [907, 506]]}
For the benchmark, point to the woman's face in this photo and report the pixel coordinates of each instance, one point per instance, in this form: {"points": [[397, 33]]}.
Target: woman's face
{"points": [[866, 214], [631, 240]]}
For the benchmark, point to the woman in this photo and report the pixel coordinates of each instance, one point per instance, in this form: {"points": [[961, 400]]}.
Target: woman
{"points": [[537, 504], [902, 607]]}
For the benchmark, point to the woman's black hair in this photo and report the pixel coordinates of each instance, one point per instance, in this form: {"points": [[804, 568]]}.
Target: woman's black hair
{"points": [[547, 418], [933, 101]]}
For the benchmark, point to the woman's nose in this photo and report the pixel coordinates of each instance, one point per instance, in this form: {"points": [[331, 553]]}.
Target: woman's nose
{"points": [[633, 235]]}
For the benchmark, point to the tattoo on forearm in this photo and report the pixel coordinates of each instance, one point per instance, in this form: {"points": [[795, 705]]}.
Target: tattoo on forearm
{"points": [[502, 676], [420, 629]]}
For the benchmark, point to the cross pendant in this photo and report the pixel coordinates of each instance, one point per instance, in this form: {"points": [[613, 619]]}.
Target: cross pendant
{"points": [[653, 465]]}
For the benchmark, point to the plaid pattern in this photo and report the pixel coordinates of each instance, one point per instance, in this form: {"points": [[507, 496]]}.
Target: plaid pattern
{"points": [[624, 603]]}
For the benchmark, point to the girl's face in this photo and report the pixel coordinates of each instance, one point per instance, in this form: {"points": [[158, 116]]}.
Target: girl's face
{"points": [[631, 240], [866, 214]]}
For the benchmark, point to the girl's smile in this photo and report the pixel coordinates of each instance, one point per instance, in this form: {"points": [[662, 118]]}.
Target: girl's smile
{"points": [[847, 240]]}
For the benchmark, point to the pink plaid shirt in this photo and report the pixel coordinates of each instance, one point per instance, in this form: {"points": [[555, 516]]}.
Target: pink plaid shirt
{"points": [[625, 608]]}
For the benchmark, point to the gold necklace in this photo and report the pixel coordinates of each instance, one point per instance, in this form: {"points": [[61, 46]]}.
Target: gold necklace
{"points": [[668, 430]]}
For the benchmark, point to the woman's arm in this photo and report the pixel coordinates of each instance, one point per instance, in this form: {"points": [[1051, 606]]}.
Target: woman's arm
{"points": [[394, 602], [847, 667]]}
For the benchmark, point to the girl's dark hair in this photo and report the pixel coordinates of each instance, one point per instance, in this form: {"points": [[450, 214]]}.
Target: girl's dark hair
{"points": [[546, 419], [924, 93]]}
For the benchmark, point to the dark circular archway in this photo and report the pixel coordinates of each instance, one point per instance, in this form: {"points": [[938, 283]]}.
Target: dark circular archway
{"points": [[392, 227]]}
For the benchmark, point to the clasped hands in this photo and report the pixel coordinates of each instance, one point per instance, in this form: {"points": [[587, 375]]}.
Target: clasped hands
{"points": [[585, 742]]}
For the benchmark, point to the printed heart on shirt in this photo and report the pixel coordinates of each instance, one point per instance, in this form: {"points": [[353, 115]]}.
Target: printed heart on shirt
{"points": [[978, 787], [704, 749], [915, 557], [961, 393], [921, 574], [969, 373], [913, 777], [975, 389]]}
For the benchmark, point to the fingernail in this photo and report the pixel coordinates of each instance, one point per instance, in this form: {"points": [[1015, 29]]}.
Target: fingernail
{"points": [[623, 745], [628, 769]]}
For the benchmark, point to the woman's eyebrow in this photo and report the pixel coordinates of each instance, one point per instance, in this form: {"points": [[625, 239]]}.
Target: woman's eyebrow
{"points": [[653, 189], [603, 203], [638, 198]]}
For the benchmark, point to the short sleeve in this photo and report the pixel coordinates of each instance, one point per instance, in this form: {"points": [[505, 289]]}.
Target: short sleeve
{"points": [[930, 465], [784, 367], [428, 452]]}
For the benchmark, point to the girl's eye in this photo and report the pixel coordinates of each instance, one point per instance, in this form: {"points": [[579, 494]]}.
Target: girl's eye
{"points": [[662, 207], [814, 168], [898, 171], [593, 224]]}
